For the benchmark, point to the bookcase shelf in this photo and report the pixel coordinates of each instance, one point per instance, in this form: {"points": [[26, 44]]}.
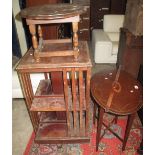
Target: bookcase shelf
{"points": [[45, 100], [52, 130]]}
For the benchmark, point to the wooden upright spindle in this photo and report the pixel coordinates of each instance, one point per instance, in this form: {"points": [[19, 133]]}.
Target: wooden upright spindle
{"points": [[28, 101], [31, 95], [75, 40], [88, 100], [40, 37], [28, 79], [66, 99], [74, 100], [32, 29], [81, 99], [40, 33]]}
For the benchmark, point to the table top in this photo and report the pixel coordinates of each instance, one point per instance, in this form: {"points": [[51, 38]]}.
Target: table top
{"points": [[28, 62], [127, 101], [52, 11]]}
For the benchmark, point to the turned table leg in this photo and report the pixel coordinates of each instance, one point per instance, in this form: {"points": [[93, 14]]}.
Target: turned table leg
{"points": [[32, 29], [75, 40], [40, 33]]}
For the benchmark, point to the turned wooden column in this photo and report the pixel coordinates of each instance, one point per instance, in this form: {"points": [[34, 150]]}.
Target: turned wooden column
{"points": [[40, 34], [32, 29], [75, 40]]}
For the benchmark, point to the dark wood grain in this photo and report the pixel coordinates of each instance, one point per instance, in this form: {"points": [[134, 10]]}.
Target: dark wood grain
{"points": [[28, 63], [49, 31], [84, 24], [65, 81], [130, 52], [33, 115], [127, 101], [53, 14], [73, 99], [81, 94], [52, 11]]}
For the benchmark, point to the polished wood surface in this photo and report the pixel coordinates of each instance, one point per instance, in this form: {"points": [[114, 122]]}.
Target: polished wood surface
{"points": [[52, 14], [49, 31], [45, 99], [127, 101], [42, 49], [119, 94], [52, 11], [56, 63], [72, 102]]}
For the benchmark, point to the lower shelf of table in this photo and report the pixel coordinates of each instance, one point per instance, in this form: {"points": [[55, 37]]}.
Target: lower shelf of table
{"points": [[55, 133]]}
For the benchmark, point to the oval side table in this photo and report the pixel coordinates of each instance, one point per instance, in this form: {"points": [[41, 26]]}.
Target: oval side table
{"points": [[120, 95]]}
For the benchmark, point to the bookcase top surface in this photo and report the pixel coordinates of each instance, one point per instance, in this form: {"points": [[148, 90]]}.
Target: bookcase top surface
{"points": [[28, 62]]}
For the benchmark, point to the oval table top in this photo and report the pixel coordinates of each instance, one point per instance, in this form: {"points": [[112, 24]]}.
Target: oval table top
{"points": [[52, 11], [125, 102]]}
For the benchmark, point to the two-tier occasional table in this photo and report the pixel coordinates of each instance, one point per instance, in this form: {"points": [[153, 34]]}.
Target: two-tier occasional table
{"points": [[119, 94], [53, 14], [71, 59]]}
